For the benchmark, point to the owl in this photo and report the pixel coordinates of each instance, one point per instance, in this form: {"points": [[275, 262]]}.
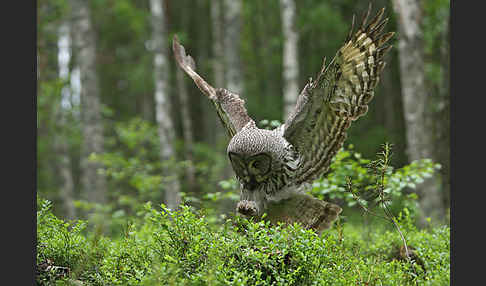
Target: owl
{"points": [[273, 166]]}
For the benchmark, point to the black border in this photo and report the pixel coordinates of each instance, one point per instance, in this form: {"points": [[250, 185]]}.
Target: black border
{"points": [[19, 141], [467, 125]]}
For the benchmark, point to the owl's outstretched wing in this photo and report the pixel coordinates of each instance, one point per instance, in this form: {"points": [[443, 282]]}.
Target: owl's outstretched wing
{"points": [[339, 95], [229, 106]]}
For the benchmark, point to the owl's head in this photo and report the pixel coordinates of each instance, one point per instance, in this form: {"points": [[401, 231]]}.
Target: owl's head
{"points": [[256, 156]]}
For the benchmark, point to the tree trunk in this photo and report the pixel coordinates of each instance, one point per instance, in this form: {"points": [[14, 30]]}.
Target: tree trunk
{"points": [[415, 98], [218, 64], [232, 31], [217, 43], [230, 27], [66, 191], [84, 48], [186, 119], [60, 142], [443, 119], [290, 56], [162, 104], [186, 130]]}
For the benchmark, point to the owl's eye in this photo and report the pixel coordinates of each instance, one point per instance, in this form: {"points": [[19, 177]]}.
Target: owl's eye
{"points": [[260, 163], [238, 163]]}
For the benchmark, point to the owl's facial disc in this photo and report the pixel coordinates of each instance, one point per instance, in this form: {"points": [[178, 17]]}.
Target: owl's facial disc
{"points": [[251, 170]]}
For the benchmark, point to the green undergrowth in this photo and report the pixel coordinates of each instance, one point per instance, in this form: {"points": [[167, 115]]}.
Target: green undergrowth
{"points": [[185, 247]]}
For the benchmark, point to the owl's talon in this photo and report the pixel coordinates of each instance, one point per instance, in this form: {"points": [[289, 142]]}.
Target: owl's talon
{"points": [[247, 208]]}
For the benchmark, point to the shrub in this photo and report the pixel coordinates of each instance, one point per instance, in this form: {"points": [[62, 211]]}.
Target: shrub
{"points": [[184, 247], [60, 245], [348, 165]]}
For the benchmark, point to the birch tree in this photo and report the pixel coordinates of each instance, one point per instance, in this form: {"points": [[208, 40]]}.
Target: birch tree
{"points": [[84, 49], [232, 31], [290, 55], [226, 21], [61, 112], [415, 101], [162, 103], [186, 119], [217, 43]]}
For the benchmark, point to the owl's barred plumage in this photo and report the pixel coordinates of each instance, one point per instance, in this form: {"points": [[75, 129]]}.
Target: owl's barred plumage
{"points": [[277, 165], [339, 95]]}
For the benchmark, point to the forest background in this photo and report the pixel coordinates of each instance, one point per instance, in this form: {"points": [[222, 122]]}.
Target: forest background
{"points": [[119, 124]]}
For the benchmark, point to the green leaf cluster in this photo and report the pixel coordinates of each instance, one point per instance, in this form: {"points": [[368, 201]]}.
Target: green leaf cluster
{"points": [[183, 247], [349, 164]]}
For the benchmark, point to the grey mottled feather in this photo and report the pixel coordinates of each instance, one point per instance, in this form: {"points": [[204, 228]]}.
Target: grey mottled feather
{"points": [[229, 106], [339, 95]]}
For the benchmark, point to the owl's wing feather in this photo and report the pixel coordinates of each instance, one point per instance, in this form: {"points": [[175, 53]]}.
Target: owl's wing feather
{"points": [[339, 95], [229, 106]]}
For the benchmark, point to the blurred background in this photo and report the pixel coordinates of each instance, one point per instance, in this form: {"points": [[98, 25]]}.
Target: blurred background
{"points": [[120, 125]]}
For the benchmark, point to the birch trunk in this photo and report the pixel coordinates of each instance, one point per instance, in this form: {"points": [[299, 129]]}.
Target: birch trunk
{"points": [[232, 30], [84, 47], [227, 16], [60, 142], [217, 43], [64, 166], [218, 64], [415, 98], [162, 103], [290, 56]]}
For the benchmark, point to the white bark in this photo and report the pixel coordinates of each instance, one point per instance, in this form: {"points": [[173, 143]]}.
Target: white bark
{"points": [[64, 165], [218, 55], [232, 30], [162, 104], [415, 98], [290, 55], [84, 47], [216, 132], [61, 146]]}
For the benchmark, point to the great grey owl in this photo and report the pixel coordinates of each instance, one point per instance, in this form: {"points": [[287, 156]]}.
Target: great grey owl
{"points": [[274, 165]]}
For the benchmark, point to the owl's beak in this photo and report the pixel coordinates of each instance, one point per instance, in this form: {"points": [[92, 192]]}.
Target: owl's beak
{"points": [[251, 184]]}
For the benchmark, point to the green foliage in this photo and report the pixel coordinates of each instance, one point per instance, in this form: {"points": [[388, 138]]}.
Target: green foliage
{"points": [[184, 248], [135, 173], [51, 10], [133, 170], [134, 160], [59, 243], [350, 164], [209, 165]]}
